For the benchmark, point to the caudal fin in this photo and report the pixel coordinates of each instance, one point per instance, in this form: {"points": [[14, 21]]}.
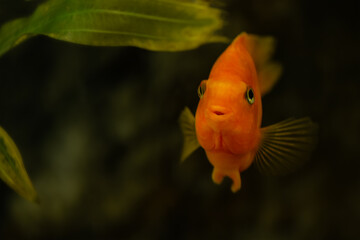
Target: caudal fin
{"points": [[286, 145], [187, 125]]}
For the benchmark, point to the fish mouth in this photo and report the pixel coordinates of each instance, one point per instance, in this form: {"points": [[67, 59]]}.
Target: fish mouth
{"points": [[218, 112]]}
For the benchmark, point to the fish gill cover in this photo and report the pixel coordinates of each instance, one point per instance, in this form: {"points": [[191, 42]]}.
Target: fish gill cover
{"points": [[160, 25]]}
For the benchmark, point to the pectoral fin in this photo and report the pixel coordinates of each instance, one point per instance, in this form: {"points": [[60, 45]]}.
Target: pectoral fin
{"points": [[261, 50], [187, 124], [12, 170], [285, 146]]}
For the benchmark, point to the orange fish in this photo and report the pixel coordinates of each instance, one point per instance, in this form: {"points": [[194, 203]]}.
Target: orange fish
{"points": [[227, 123]]}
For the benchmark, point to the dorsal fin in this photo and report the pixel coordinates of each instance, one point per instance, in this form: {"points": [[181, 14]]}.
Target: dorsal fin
{"points": [[261, 50], [187, 124]]}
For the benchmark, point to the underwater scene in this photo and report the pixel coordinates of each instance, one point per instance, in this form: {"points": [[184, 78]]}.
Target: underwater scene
{"points": [[179, 119]]}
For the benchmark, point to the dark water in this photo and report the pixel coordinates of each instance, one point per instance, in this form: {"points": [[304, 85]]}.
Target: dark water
{"points": [[97, 128]]}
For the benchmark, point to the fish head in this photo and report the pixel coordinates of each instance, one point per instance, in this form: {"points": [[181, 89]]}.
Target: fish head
{"points": [[228, 116]]}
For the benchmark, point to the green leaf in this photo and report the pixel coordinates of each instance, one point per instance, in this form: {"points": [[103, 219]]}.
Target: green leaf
{"points": [[160, 25], [12, 170]]}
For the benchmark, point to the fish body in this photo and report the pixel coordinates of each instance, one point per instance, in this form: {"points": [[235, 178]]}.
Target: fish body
{"points": [[227, 123]]}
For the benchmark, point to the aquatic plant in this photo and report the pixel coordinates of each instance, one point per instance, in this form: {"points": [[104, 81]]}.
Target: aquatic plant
{"points": [[159, 25]]}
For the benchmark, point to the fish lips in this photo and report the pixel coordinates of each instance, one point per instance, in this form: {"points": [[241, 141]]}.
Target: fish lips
{"points": [[218, 113]]}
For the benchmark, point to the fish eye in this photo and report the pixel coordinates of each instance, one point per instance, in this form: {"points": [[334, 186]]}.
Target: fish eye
{"points": [[250, 97], [201, 89]]}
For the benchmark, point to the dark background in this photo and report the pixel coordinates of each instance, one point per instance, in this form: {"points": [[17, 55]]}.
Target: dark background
{"points": [[98, 131]]}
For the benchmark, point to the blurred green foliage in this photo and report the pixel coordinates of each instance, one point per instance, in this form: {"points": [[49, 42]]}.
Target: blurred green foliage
{"points": [[166, 25], [12, 170], [162, 25]]}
